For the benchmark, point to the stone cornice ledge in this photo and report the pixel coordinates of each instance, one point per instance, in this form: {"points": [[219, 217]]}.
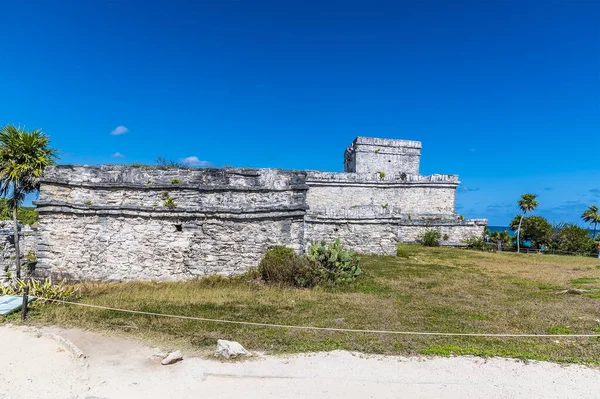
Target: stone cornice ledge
{"points": [[59, 207], [393, 219], [314, 178], [174, 187]]}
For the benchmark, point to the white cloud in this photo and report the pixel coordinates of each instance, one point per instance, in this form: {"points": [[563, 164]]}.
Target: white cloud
{"points": [[118, 155], [194, 162], [119, 130]]}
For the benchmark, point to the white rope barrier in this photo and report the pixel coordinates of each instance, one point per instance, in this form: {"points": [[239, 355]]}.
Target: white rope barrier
{"points": [[333, 329]]}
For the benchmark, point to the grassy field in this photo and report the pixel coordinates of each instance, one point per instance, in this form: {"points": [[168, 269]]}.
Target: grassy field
{"points": [[435, 289]]}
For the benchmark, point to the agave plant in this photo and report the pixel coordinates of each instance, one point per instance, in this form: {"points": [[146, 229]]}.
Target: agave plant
{"points": [[41, 289]]}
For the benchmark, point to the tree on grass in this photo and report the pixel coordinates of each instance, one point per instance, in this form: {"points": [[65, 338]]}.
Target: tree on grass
{"points": [[535, 229], [591, 216], [527, 203], [23, 157]]}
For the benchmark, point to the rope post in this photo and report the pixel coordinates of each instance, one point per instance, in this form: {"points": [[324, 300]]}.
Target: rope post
{"points": [[25, 295], [25, 300]]}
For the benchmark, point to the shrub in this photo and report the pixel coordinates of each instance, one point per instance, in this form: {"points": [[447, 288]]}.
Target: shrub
{"points": [[479, 244], [401, 252], [572, 238], [337, 266], [445, 237], [430, 238], [282, 265], [175, 181], [381, 175], [325, 264]]}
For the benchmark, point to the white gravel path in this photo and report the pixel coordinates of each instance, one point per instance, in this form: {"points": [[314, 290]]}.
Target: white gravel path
{"points": [[36, 366]]}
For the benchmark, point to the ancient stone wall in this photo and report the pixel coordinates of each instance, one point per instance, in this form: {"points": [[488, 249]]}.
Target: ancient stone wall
{"points": [[28, 245], [381, 235], [397, 193], [113, 222], [152, 223]]}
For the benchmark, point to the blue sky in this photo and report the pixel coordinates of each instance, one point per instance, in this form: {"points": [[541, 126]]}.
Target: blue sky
{"points": [[504, 93]]}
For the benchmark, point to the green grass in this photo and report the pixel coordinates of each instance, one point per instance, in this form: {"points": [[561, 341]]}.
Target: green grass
{"points": [[435, 289]]}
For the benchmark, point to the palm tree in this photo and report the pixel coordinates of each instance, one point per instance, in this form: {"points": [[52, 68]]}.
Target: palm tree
{"points": [[503, 236], [23, 157], [591, 215], [527, 203]]}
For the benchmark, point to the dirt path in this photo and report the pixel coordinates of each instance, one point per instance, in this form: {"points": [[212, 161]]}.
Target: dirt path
{"points": [[120, 368]]}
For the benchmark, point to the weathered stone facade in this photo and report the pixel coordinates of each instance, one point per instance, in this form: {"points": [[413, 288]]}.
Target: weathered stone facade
{"points": [[124, 222], [372, 155], [28, 240]]}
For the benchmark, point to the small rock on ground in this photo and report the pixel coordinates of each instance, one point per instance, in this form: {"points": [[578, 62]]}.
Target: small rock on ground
{"points": [[172, 358], [230, 349]]}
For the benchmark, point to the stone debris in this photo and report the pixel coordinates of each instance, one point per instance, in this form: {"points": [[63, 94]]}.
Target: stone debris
{"points": [[230, 349], [173, 357]]}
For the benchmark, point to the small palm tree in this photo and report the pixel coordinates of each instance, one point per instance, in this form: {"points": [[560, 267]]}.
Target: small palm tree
{"points": [[527, 203], [23, 157], [503, 236], [592, 216]]}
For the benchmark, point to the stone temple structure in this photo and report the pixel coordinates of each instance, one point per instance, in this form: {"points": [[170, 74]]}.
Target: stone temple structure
{"points": [[126, 222]]}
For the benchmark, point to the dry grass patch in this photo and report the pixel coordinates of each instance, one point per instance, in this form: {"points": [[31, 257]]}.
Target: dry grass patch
{"points": [[435, 289]]}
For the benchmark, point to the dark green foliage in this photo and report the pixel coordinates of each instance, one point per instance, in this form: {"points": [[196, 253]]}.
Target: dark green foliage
{"points": [[479, 244], [26, 215], [282, 265], [336, 264], [572, 238], [431, 238], [533, 228], [503, 236], [175, 181]]}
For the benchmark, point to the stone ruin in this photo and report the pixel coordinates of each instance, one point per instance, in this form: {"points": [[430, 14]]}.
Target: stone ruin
{"points": [[160, 223]]}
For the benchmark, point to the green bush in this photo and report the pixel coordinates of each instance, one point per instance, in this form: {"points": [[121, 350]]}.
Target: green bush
{"points": [[325, 264], [431, 238], [401, 252], [572, 238], [479, 244], [282, 265], [337, 266]]}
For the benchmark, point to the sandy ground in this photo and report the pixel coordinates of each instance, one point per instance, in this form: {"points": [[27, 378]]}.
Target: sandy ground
{"points": [[118, 368]]}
